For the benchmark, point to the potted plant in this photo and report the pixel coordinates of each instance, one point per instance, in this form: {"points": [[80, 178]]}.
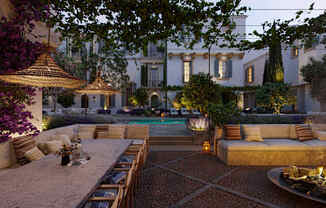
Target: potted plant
{"points": [[221, 114]]}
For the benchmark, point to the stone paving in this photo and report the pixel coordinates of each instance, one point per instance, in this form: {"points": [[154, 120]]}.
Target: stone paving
{"points": [[196, 180]]}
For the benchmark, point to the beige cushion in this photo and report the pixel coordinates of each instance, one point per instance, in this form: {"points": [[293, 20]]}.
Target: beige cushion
{"points": [[304, 132], [285, 145], [116, 132], [232, 132], [86, 132], [252, 134], [42, 146], [22, 145], [241, 145], [53, 146], [272, 131], [321, 135], [316, 144], [65, 139], [137, 131], [34, 154]]}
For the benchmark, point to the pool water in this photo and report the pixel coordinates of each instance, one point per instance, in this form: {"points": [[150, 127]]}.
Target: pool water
{"points": [[165, 121]]}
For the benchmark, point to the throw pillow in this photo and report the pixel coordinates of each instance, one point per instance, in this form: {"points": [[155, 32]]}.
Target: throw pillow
{"points": [[34, 154], [64, 139], [253, 134], [321, 135], [53, 146], [22, 145], [232, 132], [304, 132], [42, 146]]}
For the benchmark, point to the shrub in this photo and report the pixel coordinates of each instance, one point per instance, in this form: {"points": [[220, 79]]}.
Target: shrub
{"points": [[66, 99], [222, 114]]}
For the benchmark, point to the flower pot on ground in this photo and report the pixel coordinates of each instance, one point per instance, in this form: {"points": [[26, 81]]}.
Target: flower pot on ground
{"points": [[199, 129]]}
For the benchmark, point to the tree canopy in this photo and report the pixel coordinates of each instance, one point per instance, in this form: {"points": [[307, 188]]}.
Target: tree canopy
{"points": [[131, 24]]}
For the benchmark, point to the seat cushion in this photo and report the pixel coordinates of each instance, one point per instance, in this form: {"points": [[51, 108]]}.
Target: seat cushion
{"points": [[271, 131], [34, 154], [116, 132], [252, 134], [53, 146], [285, 145], [22, 145], [232, 132], [316, 144], [304, 132], [241, 145], [137, 131], [321, 135]]}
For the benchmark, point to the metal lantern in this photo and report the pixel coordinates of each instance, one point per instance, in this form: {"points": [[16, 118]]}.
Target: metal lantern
{"points": [[43, 73], [206, 147]]}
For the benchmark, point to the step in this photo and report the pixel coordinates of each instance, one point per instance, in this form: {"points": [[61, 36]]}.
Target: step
{"points": [[173, 142], [168, 138]]}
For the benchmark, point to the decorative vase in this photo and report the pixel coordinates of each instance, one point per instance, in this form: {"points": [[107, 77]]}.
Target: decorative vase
{"points": [[65, 160]]}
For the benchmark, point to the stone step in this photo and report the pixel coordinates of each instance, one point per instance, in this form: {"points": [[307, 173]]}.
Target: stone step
{"points": [[170, 138], [171, 142]]}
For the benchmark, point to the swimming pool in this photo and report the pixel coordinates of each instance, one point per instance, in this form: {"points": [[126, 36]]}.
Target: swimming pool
{"points": [[157, 121]]}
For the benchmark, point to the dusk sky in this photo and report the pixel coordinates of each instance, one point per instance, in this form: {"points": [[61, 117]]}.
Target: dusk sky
{"points": [[258, 17]]}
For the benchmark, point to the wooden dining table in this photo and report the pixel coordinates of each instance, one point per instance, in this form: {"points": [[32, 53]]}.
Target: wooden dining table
{"points": [[47, 184]]}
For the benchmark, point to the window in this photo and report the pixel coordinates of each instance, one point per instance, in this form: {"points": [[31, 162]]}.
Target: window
{"points": [[186, 71], [294, 52], [223, 68], [250, 74]]}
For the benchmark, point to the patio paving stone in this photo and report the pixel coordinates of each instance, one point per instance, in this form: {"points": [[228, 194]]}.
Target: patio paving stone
{"points": [[203, 166], [162, 188], [213, 198], [166, 156], [253, 182]]}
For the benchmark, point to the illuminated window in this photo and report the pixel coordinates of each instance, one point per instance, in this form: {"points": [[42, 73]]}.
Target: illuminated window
{"points": [[221, 69], [250, 75], [186, 71], [295, 52]]}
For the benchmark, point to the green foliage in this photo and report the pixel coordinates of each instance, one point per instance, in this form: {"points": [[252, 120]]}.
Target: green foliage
{"points": [[140, 98], [66, 99], [314, 73], [221, 114], [177, 103], [274, 96], [132, 23], [200, 91]]}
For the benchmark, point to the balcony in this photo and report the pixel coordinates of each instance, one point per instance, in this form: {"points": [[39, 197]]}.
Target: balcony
{"points": [[155, 83]]}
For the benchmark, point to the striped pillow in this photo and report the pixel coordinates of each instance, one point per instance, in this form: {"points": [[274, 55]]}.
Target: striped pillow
{"points": [[304, 133], [232, 132], [22, 145]]}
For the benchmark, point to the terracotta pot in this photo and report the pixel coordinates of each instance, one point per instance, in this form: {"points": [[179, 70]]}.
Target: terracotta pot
{"points": [[5, 155]]}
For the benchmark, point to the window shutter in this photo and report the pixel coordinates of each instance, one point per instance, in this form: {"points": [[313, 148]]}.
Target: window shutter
{"points": [[144, 74], [216, 63], [229, 68], [190, 69], [253, 73]]}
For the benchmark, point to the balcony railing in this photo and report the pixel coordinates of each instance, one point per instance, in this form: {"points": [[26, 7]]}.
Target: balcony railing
{"points": [[155, 83]]}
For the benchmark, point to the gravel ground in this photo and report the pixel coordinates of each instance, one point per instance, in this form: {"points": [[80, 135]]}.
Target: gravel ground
{"points": [[196, 180]]}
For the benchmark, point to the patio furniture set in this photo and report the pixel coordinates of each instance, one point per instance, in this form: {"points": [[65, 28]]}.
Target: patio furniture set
{"points": [[109, 179]]}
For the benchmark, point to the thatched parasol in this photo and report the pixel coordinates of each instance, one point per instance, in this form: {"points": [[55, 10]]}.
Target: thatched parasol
{"points": [[98, 87], [43, 73]]}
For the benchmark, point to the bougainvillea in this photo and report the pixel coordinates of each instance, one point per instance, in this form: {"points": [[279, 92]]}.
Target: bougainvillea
{"points": [[17, 52]]}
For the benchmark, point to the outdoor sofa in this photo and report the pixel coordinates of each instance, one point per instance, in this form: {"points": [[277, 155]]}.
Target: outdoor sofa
{"points": [[137, 133], [280, 147]]}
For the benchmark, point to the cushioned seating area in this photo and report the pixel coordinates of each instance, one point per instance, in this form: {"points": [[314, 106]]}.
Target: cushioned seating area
{"points": [[279, 148]]}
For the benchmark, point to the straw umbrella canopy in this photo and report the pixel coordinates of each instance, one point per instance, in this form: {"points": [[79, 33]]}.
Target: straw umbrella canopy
{"points": [[43, 73], [98, 87]]}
